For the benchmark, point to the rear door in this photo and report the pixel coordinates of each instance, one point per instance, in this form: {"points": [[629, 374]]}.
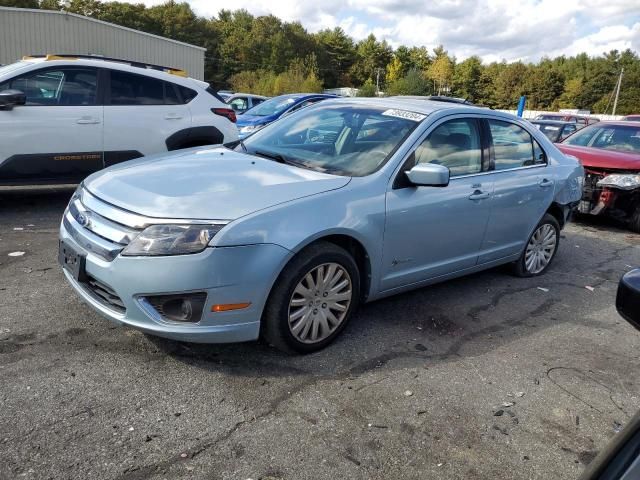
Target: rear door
{"points": [[140, 114], [523, 189], [57, 135]]}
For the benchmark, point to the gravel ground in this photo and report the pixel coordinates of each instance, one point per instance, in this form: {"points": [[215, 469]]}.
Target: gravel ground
{"points": [[414, 388]]}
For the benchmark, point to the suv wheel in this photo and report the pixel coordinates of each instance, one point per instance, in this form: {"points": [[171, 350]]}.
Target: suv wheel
{"points": [[540, 250], [312, 299]]}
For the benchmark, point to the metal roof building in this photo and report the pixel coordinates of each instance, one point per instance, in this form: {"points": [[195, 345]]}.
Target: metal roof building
{"points": [[31, 32]]}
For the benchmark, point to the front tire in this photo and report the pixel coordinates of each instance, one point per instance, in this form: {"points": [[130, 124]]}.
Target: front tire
{"points": [[540, 250], [312, 300]]}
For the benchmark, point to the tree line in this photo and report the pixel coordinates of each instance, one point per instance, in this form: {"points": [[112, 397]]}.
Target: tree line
{"points": [[266, 55]]}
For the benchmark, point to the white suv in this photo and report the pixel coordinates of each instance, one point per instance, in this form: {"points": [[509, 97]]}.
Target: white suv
{"points": [[64, 117]]}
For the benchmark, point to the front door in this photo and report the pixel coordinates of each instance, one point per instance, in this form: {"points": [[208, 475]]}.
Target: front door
{"points": [[57, 135], [434, 231]]}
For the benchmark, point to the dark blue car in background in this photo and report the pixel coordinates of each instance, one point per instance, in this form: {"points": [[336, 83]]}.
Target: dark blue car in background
{"points": [[272, 109]]}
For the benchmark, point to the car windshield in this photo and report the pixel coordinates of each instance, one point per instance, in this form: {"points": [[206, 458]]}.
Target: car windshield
{"points": [[552, 132], [622, 138], [344, 139], [273, 106]]}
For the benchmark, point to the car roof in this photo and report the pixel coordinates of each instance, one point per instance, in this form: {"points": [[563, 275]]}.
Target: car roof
{"points": [[423, 106], [618, 123], [552, 122], [179, 76], [248, 95]]}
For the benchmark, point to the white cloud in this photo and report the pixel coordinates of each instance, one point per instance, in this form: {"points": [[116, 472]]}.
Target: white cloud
{"points": [[492, 29]]}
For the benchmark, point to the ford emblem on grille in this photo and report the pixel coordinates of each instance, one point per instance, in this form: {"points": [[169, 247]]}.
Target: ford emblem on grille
{"points": [[83, 219]]}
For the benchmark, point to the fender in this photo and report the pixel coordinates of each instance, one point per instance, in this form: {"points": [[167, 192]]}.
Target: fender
{"points": [[194, 136]]}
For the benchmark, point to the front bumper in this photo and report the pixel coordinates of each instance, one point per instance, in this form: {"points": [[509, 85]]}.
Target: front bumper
{"points": [[610, 201], [242, 274]]}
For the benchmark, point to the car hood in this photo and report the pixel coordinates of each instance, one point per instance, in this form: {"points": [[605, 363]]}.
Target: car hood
{"points": [[206, 183], [600, 158], [246, 119]]}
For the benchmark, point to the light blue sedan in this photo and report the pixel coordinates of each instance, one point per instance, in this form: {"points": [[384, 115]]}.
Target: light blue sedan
{"points": [[343, 202]]}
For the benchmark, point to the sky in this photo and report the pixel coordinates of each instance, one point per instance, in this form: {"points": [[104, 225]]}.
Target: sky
{"points": [[492, 29]]}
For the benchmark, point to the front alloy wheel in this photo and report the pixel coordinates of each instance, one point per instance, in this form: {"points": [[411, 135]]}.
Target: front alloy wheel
{"points": [[312, 299], [320, 302]]}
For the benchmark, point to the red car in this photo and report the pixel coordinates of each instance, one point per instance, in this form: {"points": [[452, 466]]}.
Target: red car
{"points": [[610, 155]]}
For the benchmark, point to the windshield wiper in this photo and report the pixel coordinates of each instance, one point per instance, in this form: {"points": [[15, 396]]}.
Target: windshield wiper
{"points": [[271, 156]]}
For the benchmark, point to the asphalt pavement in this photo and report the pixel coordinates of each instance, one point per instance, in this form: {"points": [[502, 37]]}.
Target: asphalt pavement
{"points": [[484, 377]]}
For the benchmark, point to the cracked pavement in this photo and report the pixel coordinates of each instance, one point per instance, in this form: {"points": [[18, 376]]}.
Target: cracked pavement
{"points": [[419, 385]]}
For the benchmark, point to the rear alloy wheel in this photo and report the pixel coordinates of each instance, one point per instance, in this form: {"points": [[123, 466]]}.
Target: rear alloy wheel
{"points": [[540, 249], [312, 299]]}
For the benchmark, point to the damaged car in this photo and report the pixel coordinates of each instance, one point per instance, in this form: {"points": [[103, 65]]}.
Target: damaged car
{"points": [[284, 234], [610, 154]]}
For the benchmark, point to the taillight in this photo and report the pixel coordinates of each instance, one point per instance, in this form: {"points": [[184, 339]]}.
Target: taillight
{"points": [[225, 112]]}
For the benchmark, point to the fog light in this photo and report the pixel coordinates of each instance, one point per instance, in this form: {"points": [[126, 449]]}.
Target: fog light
{"points": [[179, 308]]}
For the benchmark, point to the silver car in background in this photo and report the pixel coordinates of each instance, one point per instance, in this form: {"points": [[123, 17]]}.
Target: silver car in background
{"points": [[284, 234]]}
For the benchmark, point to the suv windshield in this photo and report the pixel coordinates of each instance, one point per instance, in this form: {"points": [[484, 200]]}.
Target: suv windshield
{"points": [[11, 67], [623, 138], [272, 106], [345, 139]]}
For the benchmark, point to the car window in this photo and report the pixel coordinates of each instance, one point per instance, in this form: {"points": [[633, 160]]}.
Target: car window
{"points": [[622, 138], [454, 144], [257, 101], [552, 132], [273, 106], [57, 87], [568, 130], [239, 104], [132, 89], [513, 146]]}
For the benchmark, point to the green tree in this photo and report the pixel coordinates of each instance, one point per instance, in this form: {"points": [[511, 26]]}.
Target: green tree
{"points": [[372, 58], [368, 89], [440, 71], [413, 83], [466, 79]]}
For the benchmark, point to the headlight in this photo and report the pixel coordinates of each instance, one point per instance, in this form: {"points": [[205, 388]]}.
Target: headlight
{"points": [[250, 128], [624, 182], [171, 240]]}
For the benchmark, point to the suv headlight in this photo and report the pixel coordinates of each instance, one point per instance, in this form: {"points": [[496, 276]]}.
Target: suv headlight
{"points": [[171, 240], [624, 182]]}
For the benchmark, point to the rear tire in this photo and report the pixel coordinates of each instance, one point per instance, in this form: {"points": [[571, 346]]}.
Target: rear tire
{"points": [[540, 250], [312, 299]]}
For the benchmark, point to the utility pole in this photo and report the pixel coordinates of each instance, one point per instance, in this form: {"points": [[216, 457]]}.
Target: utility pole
{"points": [[615, 101], [378, 81]]}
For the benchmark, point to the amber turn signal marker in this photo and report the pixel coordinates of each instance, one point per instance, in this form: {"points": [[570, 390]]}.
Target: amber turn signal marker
{"points": [[225, 307]]}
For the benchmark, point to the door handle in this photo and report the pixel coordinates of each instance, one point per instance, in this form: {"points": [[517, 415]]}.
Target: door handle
{"points": [[479, 195], [87, 121], [172, 116], [545, 183]]}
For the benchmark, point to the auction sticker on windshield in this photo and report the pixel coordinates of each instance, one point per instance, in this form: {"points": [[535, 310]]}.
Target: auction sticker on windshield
{"points": [[416, 117]]}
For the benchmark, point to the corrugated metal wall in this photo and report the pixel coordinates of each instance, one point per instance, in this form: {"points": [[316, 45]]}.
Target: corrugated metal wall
{"points": [[30, 32]]}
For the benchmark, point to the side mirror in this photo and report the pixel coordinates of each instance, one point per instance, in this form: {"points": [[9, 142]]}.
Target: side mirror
{"points": [[628, 297], [429, 175], [11, 98]]}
